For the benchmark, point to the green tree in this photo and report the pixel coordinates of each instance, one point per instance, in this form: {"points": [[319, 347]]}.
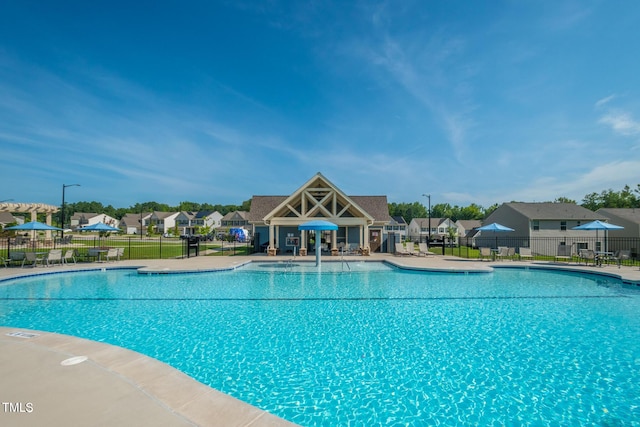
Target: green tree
{"points": [[408, 211]]}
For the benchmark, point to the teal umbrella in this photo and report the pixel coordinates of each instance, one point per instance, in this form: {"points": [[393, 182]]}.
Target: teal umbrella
{"points": [[318, 225], [496, 228], [599, 225], [99, 226], [34, 226]]}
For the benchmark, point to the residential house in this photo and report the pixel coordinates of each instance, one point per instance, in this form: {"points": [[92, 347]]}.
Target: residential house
{"points": [[133, 223], [465, 226], [211, 219], [185, 223], [542, 227], [235, 219], [163, 222], [419, 229], [83, 219], [627, 238], [360, 219], [398, 226]]}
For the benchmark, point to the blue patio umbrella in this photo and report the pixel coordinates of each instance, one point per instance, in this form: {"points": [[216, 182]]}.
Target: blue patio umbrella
{"points": [[599, 225], [317, 225], [496, 228], [99, 226], [34, 226]]}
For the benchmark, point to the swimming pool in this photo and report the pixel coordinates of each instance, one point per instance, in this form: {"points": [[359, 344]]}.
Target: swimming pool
{"points": [[371, 346]]}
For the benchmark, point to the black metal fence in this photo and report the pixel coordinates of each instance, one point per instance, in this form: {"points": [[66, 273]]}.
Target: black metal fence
{"points": [[134, 247], [549, 247]]}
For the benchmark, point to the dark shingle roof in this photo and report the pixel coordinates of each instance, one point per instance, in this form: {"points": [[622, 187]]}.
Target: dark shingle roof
{"points": [[554, 211]]}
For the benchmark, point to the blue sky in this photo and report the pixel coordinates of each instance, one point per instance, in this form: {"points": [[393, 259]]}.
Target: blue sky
{"points": [[205, 101]]}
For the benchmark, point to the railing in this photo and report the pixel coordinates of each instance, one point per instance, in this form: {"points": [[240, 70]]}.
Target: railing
{"points": [[134, 247], [546, 248]]}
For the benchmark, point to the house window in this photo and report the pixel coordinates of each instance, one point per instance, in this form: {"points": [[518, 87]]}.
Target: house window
{"points": [[563, 225], [536, 225]]}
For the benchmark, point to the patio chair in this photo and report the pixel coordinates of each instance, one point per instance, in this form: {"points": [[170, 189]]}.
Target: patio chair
{"points": [[112, 254], [54, 256], [16, 257], [423, 249], [485, 252], [621, 256], [564, 253], [33, 258], [120, 253], [525, 253], [93, 254], [411, 248], [4, 261], [400, 250], [586, 255], [69, 255]]}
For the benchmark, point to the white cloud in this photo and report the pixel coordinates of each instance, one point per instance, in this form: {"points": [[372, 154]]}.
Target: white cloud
{"points": [[621, 122], [605, 100]]}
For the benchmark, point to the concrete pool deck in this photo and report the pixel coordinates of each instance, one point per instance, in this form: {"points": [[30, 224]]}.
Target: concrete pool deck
{"points": [[116, 386]]}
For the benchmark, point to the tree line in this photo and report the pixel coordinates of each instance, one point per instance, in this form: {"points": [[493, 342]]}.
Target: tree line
{"points": [[625, 198]]}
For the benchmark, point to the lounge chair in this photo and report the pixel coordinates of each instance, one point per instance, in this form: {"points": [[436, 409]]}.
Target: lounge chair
{"points": [[400, 250], [485, 253], [33, 259], [423, 249], [564, 253], [525, 253], [54, 256], [69, 255], [503, 252], [411, 248]]}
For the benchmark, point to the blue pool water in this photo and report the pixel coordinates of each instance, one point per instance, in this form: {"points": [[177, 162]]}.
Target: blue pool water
{"points": [[370, 346]]}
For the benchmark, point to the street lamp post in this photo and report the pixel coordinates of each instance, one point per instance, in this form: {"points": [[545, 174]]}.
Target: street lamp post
{"points": [[64, 186], [428, 196]]}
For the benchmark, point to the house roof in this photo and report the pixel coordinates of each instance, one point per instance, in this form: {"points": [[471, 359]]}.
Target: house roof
{"points": [[554, 211], [235, 214], [470, 224], [6, 218], [630, 214], [162, 215], [398, 220], [261, 206], [425, 221]]}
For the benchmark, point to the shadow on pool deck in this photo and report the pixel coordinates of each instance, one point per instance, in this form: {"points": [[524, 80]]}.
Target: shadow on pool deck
{"points": [[116, 386]]}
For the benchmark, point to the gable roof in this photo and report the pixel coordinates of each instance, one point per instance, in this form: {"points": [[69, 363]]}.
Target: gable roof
{"points": [[235, 214], [398, 220], [553, 211], [315, 189], [470, 224], [628, 214]]}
